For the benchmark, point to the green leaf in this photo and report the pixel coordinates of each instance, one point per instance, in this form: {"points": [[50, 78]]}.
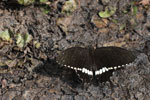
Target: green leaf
{"points": [[46, 9], [20, 41], [25, 2], [69, 7], [107, 13], [115, 21], [135, 10], [122, 26], [27, 38], [37, 44], [23, 39], [5, 35], [43, 1]]}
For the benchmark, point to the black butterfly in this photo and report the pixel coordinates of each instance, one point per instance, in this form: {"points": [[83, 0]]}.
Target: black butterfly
{"points": [[90, 63]]}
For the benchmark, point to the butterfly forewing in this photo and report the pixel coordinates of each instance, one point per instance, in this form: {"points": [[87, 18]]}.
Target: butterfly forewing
{"points": [[76, 57]]}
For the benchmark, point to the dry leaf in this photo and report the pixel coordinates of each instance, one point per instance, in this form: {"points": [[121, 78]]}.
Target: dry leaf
{"points": [[11, 63], [103, 30], [63, 23], [4, 83], [99, 23], [145, 2]]}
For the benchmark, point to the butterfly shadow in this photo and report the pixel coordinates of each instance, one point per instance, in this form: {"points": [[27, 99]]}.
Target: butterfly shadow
{"points": [[52, 69]]}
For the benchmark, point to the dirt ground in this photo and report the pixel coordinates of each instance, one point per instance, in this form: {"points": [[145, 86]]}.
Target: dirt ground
{"points": [[31, 73]]}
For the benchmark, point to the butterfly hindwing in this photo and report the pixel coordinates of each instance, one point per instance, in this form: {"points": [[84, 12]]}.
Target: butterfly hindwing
{"points": [[112, 57]]}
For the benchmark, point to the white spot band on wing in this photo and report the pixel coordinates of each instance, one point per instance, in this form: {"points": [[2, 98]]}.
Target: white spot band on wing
{"points": [[97, 72]]}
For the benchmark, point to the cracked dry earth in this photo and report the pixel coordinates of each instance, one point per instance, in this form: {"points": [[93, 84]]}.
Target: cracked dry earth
{"points": [[39, 77]]}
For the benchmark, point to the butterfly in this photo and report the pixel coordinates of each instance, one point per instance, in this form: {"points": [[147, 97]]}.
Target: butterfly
{"points": [[90, 63]]}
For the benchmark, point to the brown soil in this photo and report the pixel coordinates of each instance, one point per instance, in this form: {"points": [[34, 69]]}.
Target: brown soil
{"points": [[33, 73]]}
